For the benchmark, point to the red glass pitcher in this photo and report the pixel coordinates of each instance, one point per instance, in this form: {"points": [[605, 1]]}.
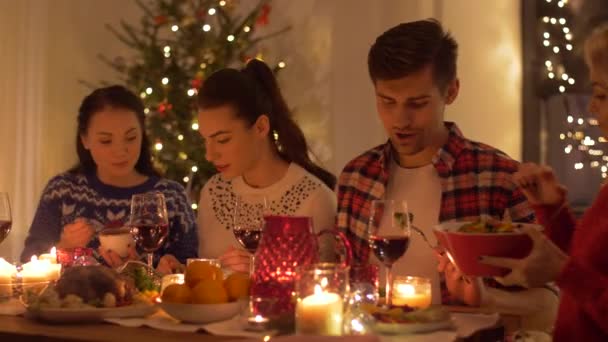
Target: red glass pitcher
{"points": [[287, 243]]}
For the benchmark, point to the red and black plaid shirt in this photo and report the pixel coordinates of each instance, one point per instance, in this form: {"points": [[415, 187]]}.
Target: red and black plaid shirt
{"points": [[475, 181]]}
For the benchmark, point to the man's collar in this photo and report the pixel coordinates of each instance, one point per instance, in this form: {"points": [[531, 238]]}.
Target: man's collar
{"points": [[445, 157]]}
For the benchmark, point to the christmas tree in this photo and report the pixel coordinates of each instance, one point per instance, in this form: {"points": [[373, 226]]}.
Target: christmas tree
{"points": [[176, 45]]}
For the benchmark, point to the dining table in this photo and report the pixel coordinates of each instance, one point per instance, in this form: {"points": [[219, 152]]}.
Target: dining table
{"points": [[20, 328]]}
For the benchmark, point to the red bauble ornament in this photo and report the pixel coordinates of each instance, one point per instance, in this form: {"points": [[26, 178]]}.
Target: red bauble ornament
{"points": [[160, 20], [163, 107], [201, 13], [264, 14], [196, 83]]}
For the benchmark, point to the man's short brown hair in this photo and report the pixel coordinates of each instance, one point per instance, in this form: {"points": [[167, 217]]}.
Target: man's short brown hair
{"points": [[410, 47]]}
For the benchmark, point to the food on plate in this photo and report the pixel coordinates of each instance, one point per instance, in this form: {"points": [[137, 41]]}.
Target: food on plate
{"points": [[405, 315], [89, 287], [177, 293], [209, 291], [199, 270], [487, 227], [146, 283], [92, 283], [205, 284], [237, 285]]}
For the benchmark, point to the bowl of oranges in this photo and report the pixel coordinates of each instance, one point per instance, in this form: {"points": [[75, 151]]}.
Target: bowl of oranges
{"points": [[206, 295]]}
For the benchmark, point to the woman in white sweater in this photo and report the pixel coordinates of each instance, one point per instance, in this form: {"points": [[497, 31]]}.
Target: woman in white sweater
{"points": [[258, 149]]}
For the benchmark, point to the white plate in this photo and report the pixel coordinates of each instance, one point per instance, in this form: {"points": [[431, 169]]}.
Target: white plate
{"points": [[412, 328], [68, 315]]}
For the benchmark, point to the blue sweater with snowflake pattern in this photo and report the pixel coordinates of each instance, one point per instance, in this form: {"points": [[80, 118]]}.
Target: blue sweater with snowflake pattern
{"points": [[69, 196]]}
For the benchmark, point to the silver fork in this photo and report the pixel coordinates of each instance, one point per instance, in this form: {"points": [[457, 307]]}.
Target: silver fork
{"points": [[421, 233]]}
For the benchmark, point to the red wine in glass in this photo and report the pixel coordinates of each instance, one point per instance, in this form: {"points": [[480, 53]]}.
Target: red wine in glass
{"points": [[389, 249], [149, 222], [150, 236], [248, 238], [388, 235], [248, 222]]}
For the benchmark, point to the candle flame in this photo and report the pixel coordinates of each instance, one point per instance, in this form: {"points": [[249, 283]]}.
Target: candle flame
{"points": [[324, 282], [54, 251], [406, 289], [34, 258], [318, 289]]}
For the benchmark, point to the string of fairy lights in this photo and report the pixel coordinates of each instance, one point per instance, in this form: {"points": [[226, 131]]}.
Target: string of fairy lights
{"points": [[192, 89], [557, 40]]}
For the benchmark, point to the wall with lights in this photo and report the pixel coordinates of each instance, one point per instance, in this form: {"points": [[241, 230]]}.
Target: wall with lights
{"points": [[325, 81]]}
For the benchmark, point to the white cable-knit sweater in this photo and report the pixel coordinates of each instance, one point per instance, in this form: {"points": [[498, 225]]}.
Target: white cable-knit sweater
{"points": [[298, 193]]}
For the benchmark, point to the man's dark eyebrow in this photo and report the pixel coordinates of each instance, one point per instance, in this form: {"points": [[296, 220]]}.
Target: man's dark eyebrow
{"points": [[411, 99]]}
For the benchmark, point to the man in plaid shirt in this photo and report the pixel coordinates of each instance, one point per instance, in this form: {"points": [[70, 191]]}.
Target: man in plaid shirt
{"points": [[426, 161]]}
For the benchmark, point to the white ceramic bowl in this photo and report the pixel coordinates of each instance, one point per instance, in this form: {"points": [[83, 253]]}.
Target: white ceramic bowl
{"points": [[202, 313]]}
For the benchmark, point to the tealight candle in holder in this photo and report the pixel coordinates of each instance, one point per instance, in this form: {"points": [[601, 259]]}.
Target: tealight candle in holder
{"points": [[51, 257], [169, 279], [321, 290], [257, 323], [36, 271], [414, 292]]}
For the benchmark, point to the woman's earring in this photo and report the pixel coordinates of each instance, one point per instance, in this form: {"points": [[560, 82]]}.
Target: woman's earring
{"points": [[275, 139]]}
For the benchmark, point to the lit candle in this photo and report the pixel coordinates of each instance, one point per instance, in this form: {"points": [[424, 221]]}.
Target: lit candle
{"points": [[54, 272], [412, 291], [177, 278], [51, 257], [36, 271], [257, 323], [320, 314], [7, 272]]}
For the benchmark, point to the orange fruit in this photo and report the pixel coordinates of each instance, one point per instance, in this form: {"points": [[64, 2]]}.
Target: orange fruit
{"points": [[237, 285], [202, 270], [209, 291], [177, 293]]}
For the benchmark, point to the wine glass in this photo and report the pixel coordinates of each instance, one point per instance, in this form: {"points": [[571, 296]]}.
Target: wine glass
{"points": [[248, 222], [5, 216], [149, 222], [389, 235]]}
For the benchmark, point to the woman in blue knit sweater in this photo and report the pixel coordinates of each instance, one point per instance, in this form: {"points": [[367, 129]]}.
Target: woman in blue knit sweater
{"points": [[114, 163]]}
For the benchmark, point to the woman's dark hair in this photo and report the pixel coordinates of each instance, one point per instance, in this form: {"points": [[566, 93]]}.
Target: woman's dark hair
{"points": [[409, 47], [117, 97], [252, 92]]}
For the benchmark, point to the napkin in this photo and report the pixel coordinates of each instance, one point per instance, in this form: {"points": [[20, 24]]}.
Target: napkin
{"points": [[162, 321], [235, 327], [466, 325]]}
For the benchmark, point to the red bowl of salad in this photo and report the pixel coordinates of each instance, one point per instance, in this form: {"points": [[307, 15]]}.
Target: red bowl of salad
{"points": [[468, 241]]}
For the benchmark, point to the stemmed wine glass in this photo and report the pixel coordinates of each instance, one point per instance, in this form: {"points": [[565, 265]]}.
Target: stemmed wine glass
{"points": [[5, 216], [149, 222], [248, 222], [389, 235]]}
